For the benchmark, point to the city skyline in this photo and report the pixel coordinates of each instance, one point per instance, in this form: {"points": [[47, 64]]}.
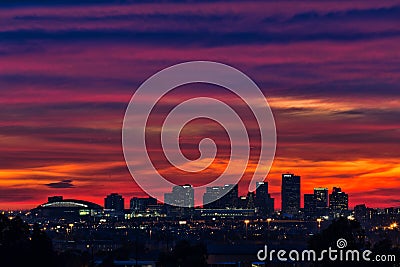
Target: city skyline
{"points": [[329, 72], [183, 196]]}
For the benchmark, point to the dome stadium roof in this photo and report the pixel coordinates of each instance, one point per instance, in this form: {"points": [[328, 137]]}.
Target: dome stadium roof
{"points": [[71, 203]]}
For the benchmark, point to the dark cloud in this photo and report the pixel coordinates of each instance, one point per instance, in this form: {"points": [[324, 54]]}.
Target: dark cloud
{"points": [[350, 112], [368, 138], [186, 38], [89, 2], [373, 13], [65, 133], [170, 29], [61, 185], [388, 192], [187, 18], [9, 194], [72, 83]]}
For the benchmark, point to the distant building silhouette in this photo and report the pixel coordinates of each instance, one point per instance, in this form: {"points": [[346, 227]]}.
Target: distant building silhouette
{"points": [[181, 195], [68, 209], [290, 194], [309, 205], [138, 204], [221, 197], [211, 198], [247, 202], [115, 202], [361, 213], [321, 201], [263, 201], [338, 202]]}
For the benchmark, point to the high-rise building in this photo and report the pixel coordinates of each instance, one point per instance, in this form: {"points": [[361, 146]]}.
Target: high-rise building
{"points": [[247, 202], [221, 197], [115, 202], [321, 201], [263, 201], [321, 197], [361, 213], [309, 205], [290, 194], [211, 198], [138, 204], [181, 195], [338, 201], [230, 199]]}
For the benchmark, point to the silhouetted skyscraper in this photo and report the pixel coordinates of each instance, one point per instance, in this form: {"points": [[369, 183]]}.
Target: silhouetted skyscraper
{"points": [[338, 201], [115, 202], [290, 194], [181, 195], [263, 201], [309, 205], [362, 214], [211, 198], [139, 204], [229, 198], [321, 201]]}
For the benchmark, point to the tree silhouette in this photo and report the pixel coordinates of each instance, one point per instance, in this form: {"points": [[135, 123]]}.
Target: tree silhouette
{"points": [[19, 247], [184, 254], [42, 248], [350, 230], [385, 247], [14, 242], [355, 236]]}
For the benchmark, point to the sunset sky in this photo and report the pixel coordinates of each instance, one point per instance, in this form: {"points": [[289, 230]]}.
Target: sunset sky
{"points": [[329, 70]]}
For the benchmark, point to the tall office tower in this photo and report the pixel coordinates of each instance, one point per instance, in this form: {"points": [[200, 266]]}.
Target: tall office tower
{"points": [[321, 201], [250, 200], [221, 197], [231, 198], [115, 202], [246, 202], [321, 197], [290, 194], [309, 205], [181, 195], [362, 214], [211, 198], [338, 201], [140, 204], [263, 201]]}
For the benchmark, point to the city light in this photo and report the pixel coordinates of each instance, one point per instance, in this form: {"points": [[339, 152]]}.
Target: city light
{"points": [[269, 221], [246, 222], [319, 220]]}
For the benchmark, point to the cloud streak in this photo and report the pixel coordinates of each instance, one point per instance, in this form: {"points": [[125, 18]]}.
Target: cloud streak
{"points": [[61, 184]]}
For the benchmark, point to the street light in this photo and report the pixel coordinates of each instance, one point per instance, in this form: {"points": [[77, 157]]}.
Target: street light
{"points": [[269, 221], [268, 230], [319, 223], [246, 222]]}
